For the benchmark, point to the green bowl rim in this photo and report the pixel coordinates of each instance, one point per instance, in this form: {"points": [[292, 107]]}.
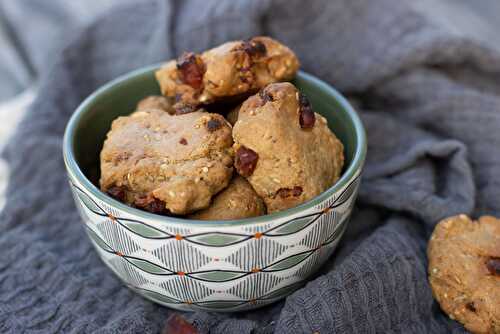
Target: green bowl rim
{"points": [[73, 168]]}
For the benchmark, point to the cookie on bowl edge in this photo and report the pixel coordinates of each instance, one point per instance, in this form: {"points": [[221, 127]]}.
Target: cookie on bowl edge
{"points": [[237, 201], [167, 163], [464, 271], [231, 69], [284, 149]]}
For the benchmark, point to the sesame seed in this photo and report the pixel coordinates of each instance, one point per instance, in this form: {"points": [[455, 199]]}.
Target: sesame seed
{"points": [[163, 166], [171, 193], [205, 169]]}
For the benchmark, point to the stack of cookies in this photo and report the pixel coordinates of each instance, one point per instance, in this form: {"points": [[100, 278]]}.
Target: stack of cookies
{"points": [[229, 138]]}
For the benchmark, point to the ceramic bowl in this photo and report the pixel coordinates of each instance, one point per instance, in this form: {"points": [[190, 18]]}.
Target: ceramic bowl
{"points": [[210, 265]]}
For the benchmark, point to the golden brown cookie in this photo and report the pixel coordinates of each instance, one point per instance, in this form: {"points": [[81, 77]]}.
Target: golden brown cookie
{"points": [[284, 149], [231, 69], [237, 201], [464, 271], [158, 162], [156, 102]]}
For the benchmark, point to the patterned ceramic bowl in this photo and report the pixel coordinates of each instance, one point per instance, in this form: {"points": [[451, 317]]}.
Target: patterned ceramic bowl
{"points": [[211, 265]]}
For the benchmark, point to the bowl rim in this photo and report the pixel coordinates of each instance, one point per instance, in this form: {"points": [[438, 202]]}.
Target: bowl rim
{"points": [[74, 170]]}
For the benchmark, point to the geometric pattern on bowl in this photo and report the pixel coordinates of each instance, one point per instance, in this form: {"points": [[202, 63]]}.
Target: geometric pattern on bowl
{"points": [[216, 268]]}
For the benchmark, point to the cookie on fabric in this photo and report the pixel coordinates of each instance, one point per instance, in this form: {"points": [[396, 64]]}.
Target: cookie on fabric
{"points": [[167, 163], [464, 271], [237, 201], [232, 69], [284, 149]]}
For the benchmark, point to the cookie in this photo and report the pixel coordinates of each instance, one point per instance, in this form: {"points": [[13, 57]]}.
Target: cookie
{"points": [[284, 149], [232, 69], [237, 201], [464, 271], [156, 102], [167, 163]]}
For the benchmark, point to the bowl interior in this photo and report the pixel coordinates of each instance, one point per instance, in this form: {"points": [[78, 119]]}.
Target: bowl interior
{"points": [[88, 128]]}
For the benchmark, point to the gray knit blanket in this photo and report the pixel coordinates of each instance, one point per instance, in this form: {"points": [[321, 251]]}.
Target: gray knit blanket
{"points": [[430, 101]]}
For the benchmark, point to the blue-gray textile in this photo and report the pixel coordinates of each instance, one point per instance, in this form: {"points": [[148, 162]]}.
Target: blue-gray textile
{"points": [[430, 101]]}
